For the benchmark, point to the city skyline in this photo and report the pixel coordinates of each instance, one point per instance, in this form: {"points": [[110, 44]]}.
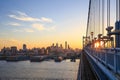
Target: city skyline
{"points": [[42, 22], [57, 45]]}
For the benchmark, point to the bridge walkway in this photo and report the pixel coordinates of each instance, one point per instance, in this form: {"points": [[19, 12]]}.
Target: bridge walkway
{"points": [[85, 69]]}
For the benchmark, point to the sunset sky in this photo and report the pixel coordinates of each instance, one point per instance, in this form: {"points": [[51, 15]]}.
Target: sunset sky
{"points": [[39, 23]]}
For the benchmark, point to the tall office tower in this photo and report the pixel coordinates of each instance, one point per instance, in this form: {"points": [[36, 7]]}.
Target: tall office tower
{"points": [[53, 45], [61, 46], [56, 45], [14, 50], [24, 47], [65, 44], [68, 46]]}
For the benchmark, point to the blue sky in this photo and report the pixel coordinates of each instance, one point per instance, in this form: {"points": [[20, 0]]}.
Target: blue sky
{"points": [[40, 23]]}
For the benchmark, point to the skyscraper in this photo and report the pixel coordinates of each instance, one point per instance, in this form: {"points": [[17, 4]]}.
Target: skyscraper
{"points": [[61, 46], [56, 45], [24, 47], [68, 46], [53, 45], [65, 44], [13, 49]]}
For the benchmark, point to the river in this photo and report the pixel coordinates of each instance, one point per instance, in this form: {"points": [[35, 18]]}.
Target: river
{"points": [[46, 70]]}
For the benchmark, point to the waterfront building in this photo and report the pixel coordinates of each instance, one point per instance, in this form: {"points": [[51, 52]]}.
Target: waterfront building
{"points": [[6, 51], [43, 50]]}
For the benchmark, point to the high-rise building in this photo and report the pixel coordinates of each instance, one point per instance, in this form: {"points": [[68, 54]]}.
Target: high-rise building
{"points": [[24, 47], [68, 46], [53, 45], [43, 50], [13, 49], [65, 44], [56, 45], [61, 46]]}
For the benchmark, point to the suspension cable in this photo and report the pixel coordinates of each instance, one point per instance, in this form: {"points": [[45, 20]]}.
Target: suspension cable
{"points": [[108, 13], [88, 22], [119, 8], [116, 10], [99, 15], [103, 17]]}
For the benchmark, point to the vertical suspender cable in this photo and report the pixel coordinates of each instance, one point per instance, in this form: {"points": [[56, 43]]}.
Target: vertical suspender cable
{"points": [[108, 13], [119, 9], [99, 16], [88, 21], [94, 18], [103, 17], [116, 10]]}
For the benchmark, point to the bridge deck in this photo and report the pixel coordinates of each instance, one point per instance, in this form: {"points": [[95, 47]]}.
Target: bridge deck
{"points": [[86, 72]]}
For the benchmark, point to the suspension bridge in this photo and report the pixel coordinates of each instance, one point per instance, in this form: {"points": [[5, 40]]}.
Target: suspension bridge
{"points": [[101, 44]]}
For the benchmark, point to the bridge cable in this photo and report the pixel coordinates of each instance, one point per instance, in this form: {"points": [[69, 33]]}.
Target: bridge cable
{"points": [[88, 21], [108, 13], [103, 16], [119, 9], [117, 2], [99, 15]]}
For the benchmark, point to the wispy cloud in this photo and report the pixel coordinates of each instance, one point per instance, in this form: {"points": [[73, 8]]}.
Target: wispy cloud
{"points": [[18, 30], [24, 17], [23, 30], [41, 27], [14, 24], [46, 19]]}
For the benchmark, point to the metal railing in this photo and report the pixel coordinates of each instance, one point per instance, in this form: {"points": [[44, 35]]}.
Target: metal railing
{"points": [[110, 58]]}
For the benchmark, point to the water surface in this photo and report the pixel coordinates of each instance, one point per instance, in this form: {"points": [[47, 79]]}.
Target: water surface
{"points": [[46, 70]]}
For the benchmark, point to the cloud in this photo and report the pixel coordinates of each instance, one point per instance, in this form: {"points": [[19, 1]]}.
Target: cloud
{"points": [[23, 30], [24, 17], [46, 19], [21, 13], [41, 27], [16, 30], [14, 24]]}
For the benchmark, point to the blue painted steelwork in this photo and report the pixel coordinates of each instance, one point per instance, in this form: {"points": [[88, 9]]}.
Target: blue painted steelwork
{"points": [[104, 68], [101, 50], [117, 37]]}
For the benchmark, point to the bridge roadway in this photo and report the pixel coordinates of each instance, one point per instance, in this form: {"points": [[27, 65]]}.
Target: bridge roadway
{"points": [[88, 70], [85, 70]]}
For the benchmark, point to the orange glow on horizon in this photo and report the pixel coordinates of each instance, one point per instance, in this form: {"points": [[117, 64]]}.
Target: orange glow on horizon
{"points": [[37, 44]]}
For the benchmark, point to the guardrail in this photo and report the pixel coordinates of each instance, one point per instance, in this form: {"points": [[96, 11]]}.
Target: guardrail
{"points": [[110, 58]]}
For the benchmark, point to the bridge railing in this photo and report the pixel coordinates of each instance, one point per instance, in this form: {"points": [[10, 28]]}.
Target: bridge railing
{"points": [[110, 58]]}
